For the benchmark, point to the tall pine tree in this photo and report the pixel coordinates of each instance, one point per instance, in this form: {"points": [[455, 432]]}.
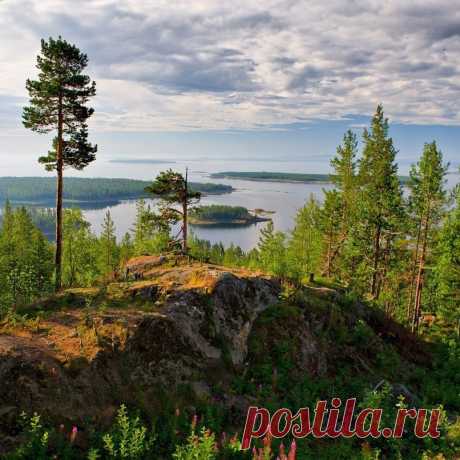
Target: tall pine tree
{"points": [[380, 202], [58, 102], [426, 204], [108, 246]]}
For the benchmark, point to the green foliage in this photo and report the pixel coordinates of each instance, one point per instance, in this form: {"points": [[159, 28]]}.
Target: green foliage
{"points": [[58, 102], [25, 261], [176, 201], [79, 258], [108, 250], [37, 440], [221, 213], [151, 234], [83, 190], [128, 440], [447, 268], [271, 256], [198, 447], [305, 245]]}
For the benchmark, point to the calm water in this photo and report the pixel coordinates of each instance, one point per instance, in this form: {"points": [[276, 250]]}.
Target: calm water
{"points": [[282, 198]]}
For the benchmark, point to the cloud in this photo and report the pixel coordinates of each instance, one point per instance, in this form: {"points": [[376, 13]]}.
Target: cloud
{"points": [[189, 65]]}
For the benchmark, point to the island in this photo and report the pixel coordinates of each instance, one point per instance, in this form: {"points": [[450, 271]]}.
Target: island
{"points": [[266, 176], [84, 191], [226, 215]]}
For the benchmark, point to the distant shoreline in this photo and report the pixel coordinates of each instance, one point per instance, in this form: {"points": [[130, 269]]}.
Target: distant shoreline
{"points": [[233, 222], [293, 178], [38, 191]]}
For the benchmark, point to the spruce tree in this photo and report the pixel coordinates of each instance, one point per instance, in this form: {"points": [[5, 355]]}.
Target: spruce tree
{"points": [[426, 204], [380, 203], [58, 103], [108, 244]]}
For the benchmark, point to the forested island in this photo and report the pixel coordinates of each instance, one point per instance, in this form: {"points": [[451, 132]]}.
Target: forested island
{"points": [[42, 190], [266, 176], [221, 214]]}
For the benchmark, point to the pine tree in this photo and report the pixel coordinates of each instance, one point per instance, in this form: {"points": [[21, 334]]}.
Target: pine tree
{"points": [[149, 231], [380, 203], [344, 176], [426, 203], [58, 103], [108, 244], [126, 249], [447, 269], [331, 223], [305, 245], [79, 267], [339, 211], [172, 189], [271, 256]]}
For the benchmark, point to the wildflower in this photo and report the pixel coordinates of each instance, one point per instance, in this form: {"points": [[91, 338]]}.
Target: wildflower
{"points": [[73, 434], [292, 451]]}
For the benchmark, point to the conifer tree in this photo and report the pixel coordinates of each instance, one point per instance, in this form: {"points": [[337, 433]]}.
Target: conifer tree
{"points": [[339, 210], [447, 268], [151, 234], [271, 251], [305, 244], [173, 190], [108, 243], [331, 224], [344, 176], [126, 248], [79, 265], [426, 203], [58, 102], [380, 202]]}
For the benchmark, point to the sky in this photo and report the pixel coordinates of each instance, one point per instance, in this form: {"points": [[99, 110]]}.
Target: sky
{"points": [[243, 79]]}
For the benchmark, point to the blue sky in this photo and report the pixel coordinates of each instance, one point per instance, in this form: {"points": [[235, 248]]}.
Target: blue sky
{"points": [[252, 79]]}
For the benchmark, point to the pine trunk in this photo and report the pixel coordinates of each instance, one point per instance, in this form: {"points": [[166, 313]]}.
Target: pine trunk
{"points": [[420, 273], [184, 216], [59, 190], [376, 261], [412, 273]]}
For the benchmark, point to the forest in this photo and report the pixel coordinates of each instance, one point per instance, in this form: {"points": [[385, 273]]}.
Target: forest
{"points": [[215, 214], [42, 190], [281, 177]]}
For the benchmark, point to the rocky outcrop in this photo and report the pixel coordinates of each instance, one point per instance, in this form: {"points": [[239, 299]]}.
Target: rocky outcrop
{"points": [[192, 327], [177, 325]]}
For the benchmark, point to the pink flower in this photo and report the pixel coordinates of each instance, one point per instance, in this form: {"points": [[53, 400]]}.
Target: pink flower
{"points": [[292, 451], [73, 434]]}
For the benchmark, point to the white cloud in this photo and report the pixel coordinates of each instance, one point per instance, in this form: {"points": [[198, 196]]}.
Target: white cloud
{"points": [[185, 65]]}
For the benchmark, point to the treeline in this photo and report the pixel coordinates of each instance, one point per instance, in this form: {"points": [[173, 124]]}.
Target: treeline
{"points": [[281, 176], [221, 213], [400, 252], [43, 189], [26, 262]]}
